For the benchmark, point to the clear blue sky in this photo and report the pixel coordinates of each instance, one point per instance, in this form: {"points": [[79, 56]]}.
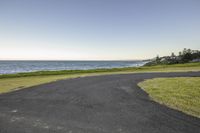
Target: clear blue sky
{"points": [[97, 29]]}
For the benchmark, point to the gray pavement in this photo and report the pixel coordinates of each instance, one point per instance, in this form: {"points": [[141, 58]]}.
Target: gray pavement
{"points": [[98, 104]]}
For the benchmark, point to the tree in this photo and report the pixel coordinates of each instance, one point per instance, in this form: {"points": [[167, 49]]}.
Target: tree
{"points": [[189, 51], [173, 55], [187, 57], [157, 59], [180, 53], [184, 51]]}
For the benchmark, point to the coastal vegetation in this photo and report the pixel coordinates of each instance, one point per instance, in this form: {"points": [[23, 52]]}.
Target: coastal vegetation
{"points": [[185, 56], [181, 93], [11, 82]]}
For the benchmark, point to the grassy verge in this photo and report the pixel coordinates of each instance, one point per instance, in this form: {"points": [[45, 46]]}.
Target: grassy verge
{"points": [[11, 82], [158, 68], [182, 93]]}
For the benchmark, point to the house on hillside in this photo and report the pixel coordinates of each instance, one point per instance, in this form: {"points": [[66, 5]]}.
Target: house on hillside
{"points": [[196, 60]]}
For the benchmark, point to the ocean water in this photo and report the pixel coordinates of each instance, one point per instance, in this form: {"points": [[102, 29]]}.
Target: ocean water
{"points": [[8, 67]]}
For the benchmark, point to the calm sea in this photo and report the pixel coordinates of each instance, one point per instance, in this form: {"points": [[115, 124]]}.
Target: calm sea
{"points": [[7, 67]]}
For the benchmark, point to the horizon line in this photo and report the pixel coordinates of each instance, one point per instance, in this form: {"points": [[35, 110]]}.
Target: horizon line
{"points": [[70, 60]]}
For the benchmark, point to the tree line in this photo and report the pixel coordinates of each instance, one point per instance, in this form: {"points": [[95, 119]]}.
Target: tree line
{"points": [[185, 56]]}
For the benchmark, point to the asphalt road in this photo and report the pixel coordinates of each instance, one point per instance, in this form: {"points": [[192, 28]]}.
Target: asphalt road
{"points": [[99, 104]]}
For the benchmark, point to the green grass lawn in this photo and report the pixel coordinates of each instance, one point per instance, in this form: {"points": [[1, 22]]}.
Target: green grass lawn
{"points": [[182, 93], [11, 82]]}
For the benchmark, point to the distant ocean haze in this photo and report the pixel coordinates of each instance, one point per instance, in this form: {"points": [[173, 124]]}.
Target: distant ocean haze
{"points": [[8, 67]]}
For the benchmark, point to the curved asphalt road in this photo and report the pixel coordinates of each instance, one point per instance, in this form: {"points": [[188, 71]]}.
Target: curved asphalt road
{"points": [[100, 104]]}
